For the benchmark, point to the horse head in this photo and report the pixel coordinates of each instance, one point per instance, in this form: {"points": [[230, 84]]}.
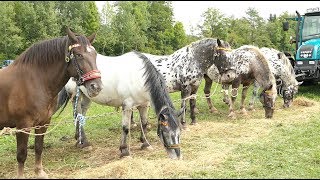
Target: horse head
{"points": [[222, 54], [83, 56], [268, 98], [169, 131], [291, 90], [288, 94]]}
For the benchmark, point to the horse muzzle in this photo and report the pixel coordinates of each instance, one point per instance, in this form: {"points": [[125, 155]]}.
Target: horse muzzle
{"points": [[174, 152], [92, 82]]}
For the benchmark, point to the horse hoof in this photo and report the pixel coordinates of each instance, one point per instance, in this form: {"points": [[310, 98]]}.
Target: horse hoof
{"points": [[42, 175], [83, 145], [213, 110], [185, 128], [232, 116], [125, 155], [194, 124], [244, 112], [146, 146]]}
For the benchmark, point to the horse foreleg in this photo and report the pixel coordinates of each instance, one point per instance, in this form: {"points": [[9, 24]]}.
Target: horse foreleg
{"points": [[82, 106], [206, 90], [254, 96], [22, 143], [143, 111], [193, 102], [234, 94], [243, 97], [185, 93], [124, 150], [38, 153], [225, 89]]}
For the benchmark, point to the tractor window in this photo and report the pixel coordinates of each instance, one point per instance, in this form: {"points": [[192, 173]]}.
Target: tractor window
{"points": [[311, 28]]}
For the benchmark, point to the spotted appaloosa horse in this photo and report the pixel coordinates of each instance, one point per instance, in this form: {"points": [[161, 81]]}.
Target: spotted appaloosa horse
{"points": [[184, 69], [284, 73], [249, 64]]}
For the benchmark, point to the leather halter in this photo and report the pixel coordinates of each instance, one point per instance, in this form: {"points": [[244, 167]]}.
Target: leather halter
{"points": [[82, 77]]}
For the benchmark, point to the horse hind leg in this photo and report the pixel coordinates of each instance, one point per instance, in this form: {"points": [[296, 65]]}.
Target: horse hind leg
{"points": [[254, 96], [143, 111], [38, 153]]}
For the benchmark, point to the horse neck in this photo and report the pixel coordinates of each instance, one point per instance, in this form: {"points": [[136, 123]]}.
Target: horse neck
{"points": [[50, 78], [201, 56], [288, 78]]}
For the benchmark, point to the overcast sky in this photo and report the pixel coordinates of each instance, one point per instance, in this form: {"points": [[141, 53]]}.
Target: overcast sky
{"points": [[189, 12]]}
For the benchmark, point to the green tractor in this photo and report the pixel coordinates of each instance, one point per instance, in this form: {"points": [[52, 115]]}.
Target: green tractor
{"points": [[306, 57]]}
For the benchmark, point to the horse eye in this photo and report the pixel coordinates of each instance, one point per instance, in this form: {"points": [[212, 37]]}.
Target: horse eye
{"points": [[78, 55]]}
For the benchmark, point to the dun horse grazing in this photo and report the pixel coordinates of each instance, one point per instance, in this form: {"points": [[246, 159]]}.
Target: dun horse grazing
{"points": [[47, 65], [284, 73], [184, 69], [249, 64], [132, 81]]}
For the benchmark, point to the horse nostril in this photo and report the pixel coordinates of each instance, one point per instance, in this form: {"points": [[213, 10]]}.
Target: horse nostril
{"points": [[94, 86]]}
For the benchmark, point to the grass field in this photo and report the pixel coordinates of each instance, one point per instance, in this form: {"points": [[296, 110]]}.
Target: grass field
{"points": [[286, 146]]}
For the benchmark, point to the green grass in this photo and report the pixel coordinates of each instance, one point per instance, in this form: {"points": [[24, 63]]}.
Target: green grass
{"points": [[286, 146]]}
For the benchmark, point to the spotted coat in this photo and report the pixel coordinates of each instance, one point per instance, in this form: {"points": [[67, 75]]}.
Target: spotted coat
{"points": [[184, 69]]}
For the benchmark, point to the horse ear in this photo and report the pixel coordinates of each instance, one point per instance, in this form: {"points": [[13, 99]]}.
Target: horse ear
{"points": [[219, 42], [281, 55], [71, 36], [92, 37], [299, 83]]}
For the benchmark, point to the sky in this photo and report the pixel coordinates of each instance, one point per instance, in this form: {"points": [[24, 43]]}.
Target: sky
{"points": [[189, 12]]}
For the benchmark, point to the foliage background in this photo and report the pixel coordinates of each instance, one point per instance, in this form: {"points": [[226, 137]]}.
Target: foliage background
{"points": [[146, 26]]}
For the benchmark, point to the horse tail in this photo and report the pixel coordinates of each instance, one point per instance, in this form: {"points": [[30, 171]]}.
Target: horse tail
{"points": [[62, 100]]}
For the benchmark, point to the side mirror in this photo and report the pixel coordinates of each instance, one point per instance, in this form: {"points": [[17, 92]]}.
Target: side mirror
{"points": [[285, 26]]}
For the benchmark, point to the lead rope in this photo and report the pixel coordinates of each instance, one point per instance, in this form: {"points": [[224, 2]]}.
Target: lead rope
{"points": [[78, 116]]}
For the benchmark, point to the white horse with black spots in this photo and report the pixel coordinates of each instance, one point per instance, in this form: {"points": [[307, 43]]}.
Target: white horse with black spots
{"points": [[184, 69], [284, 74], [131, 81]]}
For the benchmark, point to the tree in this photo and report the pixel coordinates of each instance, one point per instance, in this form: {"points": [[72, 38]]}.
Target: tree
{"points": [[180, 38], [106, 37], [161, 23], [214, 24], [11, 41]]}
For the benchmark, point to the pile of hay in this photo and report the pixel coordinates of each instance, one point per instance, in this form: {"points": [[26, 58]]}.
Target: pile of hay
{"points": [[302, 101]]}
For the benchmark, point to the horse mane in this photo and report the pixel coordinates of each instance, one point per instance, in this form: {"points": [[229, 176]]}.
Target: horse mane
{"points": [[286, 62], [156, 85], [45, 53], [209, 41], [261, 58]]}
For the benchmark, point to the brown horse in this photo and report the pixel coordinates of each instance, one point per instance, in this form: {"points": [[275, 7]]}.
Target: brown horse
{"points": [[249, 64], [30, 85]]}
